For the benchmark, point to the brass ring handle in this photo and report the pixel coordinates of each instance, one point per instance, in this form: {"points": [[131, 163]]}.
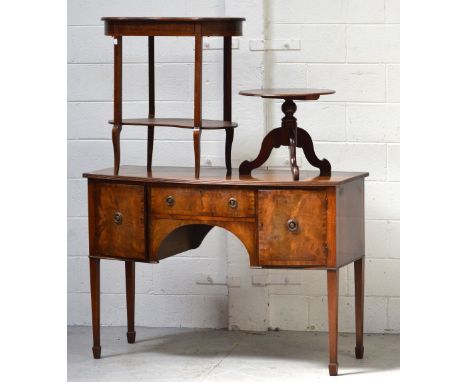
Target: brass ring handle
{"points": [[232, 202], [170, 201], [118, 218], [293, 225]]}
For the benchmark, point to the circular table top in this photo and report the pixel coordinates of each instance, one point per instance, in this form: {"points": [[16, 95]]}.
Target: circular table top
{"points": [[288, 93]]}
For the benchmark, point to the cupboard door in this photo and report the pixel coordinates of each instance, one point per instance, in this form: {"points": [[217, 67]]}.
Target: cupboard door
{"points": [[292, 228], [117, 221]]}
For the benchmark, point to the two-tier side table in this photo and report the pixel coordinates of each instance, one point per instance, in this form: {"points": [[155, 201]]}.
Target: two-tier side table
{"points": [[197, 27]]}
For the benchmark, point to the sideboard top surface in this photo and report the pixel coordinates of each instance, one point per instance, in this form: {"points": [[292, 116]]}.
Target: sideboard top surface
{"points": [[217, 176]]}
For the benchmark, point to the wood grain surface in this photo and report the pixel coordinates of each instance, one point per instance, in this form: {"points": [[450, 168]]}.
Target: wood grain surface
{"points": [[111, 239], [277, 244]]}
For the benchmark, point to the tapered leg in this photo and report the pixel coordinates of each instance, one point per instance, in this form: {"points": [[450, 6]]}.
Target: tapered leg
{"points": [[333, 284], [227, 151], [94, 272], [149, 157], [130, 285], [359, 305]]}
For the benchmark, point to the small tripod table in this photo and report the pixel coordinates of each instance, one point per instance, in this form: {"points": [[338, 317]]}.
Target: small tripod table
{"points": [[288, 134]]}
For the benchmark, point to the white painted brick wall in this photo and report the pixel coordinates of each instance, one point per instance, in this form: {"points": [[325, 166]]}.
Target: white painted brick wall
{"points": [[351, 46]]}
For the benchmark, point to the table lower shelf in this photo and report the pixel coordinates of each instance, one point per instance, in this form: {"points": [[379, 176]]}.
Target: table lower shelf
{"points": [[184, 123]]}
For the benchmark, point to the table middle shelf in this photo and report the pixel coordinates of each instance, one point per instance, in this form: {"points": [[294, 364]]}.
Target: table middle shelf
{"points": [[185, 123]]}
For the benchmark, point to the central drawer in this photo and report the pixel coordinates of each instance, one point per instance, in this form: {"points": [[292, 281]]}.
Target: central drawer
{"points": [[196, 201]]}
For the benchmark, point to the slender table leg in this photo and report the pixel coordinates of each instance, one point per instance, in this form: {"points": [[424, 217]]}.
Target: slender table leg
{"points": [[94, 271], [117, 102], [359, 305], [151, 102], [228, 148], [227, 107], [149, 157], [333, 283], [197, 98], [130, 286]]}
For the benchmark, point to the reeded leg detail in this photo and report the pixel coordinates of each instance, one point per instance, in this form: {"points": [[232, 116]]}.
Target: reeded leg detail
{"points": [[94, 272], [359, 266], [333, 285], [130, 289]]}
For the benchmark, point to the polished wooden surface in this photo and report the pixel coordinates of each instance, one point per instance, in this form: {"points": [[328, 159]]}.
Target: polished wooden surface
{"points": [[227, 100], [151, 103], [184, 123], [117, 102], [173, 26], [130, 294], [304, 244], [213, 176], [333, 291], [171, 19], [149, 215], [349, 222], [299, 94], [117, 212], [95, 286], [359, 266], [185, 201], [198, 27]]}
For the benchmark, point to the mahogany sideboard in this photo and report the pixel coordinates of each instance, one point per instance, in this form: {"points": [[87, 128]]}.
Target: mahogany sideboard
{"points": [[146, 215]]}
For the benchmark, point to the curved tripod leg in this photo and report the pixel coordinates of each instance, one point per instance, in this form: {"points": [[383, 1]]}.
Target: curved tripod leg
{"points": [[274, 139], [116, 143], [227, 150], [292, 153], [304, 141]]}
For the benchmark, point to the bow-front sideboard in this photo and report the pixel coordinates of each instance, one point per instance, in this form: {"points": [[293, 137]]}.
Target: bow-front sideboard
{"points": [[147, 215]]}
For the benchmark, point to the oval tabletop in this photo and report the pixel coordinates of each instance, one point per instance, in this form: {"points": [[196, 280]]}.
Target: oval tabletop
{"points": [[288, 93], [172, 19]]}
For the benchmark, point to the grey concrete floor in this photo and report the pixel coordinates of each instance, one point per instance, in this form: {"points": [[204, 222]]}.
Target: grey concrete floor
{"points": [[174, 354]]}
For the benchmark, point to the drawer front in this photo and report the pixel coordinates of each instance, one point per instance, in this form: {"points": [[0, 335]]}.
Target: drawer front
{"points": [[292, 228], [195, 201], [117, 221]]}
